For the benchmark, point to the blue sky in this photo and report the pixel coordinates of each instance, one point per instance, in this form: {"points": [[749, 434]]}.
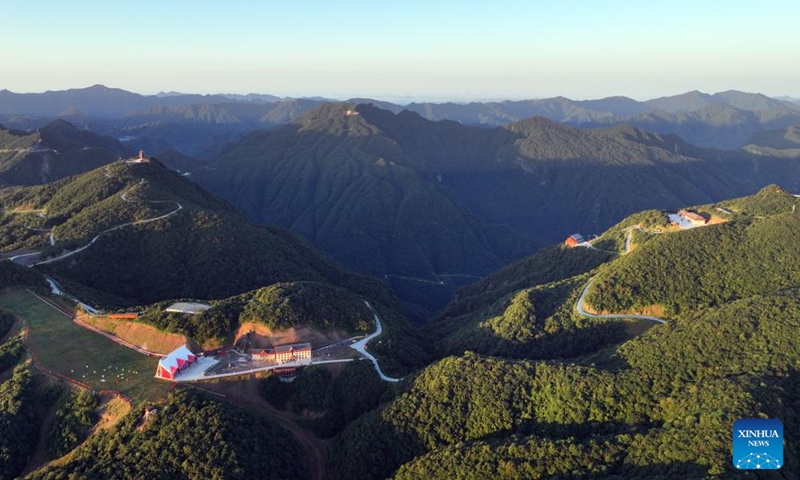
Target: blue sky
{"points": [[426, 50]]}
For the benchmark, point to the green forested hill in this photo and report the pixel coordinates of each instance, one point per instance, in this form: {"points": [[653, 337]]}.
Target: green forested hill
{"points": [[668, 412], [322, 306], [278, 306], [204, 250], [54, 151], [525, 310], [660, 405], [190, 437], [547, 265], [690, 270], [18, 421]]}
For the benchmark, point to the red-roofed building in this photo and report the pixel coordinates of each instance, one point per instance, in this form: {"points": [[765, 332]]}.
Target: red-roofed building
{"points": [[265, 354], [693, 218], [574, 240], [174, 363]]}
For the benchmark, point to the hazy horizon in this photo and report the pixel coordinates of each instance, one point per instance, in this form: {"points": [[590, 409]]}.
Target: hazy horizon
{"points": [[415, 51], [399, 100]]}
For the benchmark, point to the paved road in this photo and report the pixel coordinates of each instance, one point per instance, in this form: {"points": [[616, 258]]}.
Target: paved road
{"points": [[579, 305], [592, 247], [581, 311], [628, 240], [361, 345], [137, 222], [24, 255]]}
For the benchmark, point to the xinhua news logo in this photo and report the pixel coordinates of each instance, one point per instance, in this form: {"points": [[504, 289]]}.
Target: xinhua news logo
{"points": [[758, 444]]}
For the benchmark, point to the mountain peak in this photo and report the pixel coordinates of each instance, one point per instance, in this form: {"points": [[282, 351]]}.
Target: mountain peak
{"points": [[59, 125], [537, 123], [341, 119]]}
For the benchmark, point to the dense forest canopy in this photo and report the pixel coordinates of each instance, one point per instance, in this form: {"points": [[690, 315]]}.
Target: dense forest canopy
{"points": [[189, 437], [658, 405]]}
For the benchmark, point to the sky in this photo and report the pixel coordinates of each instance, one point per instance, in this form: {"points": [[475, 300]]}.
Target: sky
{"points": [[404, 50]]}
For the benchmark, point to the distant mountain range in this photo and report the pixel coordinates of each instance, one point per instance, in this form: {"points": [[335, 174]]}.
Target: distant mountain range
{"points": [[189, 122], [724, 120], [103, 102], [195, 124], [783, 143]]}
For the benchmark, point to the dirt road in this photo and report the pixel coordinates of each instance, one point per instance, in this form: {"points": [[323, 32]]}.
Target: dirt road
{"points": [[248, 396]]}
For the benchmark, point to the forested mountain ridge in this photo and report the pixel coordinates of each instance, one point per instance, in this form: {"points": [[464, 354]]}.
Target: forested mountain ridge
{"points": [[782, 143], [193, 124], [660, 404], [706, 267], [54, 151], [435, 200], [696, 100], [338, 180]]}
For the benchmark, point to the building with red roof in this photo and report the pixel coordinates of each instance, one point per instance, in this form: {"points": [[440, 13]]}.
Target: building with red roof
{"points": [[693, 218], [574, 240], [173, 364]]}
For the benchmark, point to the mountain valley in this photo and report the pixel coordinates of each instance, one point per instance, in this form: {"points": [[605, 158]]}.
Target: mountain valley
{"points": [[451, 330]]}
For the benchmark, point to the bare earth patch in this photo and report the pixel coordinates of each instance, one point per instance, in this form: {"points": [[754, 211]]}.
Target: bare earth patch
{"points": [[650, 310], [654, 310], [111, 410], [263, 336], [716, 220], [139, 334]]}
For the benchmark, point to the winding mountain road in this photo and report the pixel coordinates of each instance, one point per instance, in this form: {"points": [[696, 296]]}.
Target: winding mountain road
{"points": [[124, 198], [581, 311], [361, 345], [579, 305], [628, 240]]}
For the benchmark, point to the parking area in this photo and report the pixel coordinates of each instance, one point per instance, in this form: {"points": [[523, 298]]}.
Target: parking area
{"points": [[232, 362]]}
